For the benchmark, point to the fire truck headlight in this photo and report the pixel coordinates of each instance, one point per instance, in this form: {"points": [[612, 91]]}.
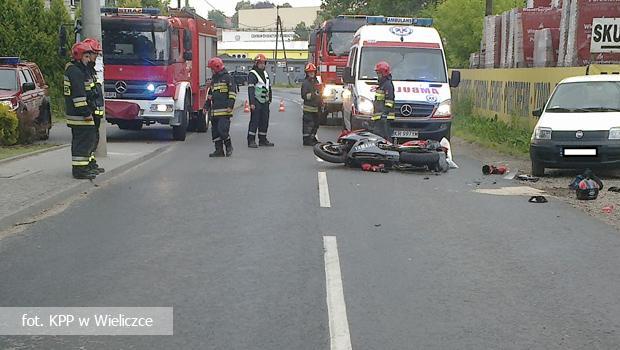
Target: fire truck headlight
{"points": [[330, 90], [160, 89], [150, 87], [365, 106]]}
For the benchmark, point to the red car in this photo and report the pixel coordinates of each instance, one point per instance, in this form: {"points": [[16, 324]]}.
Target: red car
{"points": [[23, 89]]}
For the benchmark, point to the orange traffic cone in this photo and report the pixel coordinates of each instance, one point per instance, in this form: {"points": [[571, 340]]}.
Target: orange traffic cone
{"points": [[281, 106], [246, 107]]}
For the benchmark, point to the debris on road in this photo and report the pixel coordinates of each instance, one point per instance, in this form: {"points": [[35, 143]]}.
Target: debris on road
{"points": [[511, 191], [538, 199], [608, 209], [614, 189], [587, 190], [588, 174], [493, 170], [527, 178]]}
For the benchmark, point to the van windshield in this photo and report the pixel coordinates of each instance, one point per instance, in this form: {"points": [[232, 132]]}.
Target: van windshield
{"points": [[8, 81], [592, 96], [408, 64]]}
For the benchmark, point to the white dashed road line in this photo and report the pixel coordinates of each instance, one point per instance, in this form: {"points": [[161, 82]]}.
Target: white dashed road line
{"points": [[339, 336], [323, 191]]}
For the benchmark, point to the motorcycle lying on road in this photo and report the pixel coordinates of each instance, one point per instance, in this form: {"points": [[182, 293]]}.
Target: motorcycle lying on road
{"points": [[355, 148]]}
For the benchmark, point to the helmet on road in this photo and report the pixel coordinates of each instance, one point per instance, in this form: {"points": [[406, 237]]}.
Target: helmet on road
{"points": [[310, 67], [79, 49], [260, 58], [216, 64], [94, 44], [383, 68]]}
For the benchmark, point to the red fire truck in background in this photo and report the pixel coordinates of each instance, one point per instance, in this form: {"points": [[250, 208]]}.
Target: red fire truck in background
{"points": [[329, 50], [156, 68]]}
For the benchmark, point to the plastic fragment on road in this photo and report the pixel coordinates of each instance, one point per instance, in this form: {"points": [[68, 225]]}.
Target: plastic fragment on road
{"points": [[493, 170], [527, 178], [446, 144], [538, 199], [608, 209]]}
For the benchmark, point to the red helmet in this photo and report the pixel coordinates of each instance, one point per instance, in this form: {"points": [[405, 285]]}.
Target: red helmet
{"points": [[94, 44], [79, 49], [383, 68], [216, 64], [310, 67], [260, 58]]}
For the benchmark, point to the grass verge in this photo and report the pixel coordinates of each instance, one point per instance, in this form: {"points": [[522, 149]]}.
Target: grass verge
{"points": [[512, 138], [12, 151]]}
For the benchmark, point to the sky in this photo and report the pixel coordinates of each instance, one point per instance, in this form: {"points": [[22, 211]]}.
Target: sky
{"points": [[228, 6]]}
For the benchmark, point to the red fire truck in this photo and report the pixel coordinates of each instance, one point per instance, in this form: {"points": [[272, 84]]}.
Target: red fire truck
{"points": [[156, 68], [329, 51]]}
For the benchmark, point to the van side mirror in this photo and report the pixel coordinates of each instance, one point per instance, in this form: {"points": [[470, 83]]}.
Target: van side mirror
{"points": [[187, 55], [187, 40], [28, 87], [347, 77], [455, 78], [537, 113]]}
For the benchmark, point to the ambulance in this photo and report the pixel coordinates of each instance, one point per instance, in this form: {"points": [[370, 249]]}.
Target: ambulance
{"points": [[415, 53]]}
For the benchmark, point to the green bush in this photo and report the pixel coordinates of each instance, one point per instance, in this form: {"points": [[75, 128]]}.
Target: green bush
{"points": [[9, 126]]}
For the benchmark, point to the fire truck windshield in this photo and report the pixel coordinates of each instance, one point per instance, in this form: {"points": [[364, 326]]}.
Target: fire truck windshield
{"points": [[339, 43], [408, 64], [135, 45], [7, 80]]}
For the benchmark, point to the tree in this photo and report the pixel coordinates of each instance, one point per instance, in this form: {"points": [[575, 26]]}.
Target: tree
{"points": [[219, 18], [460, 25], [286, 5], [160, 4], [302, 32], [264, 5]]}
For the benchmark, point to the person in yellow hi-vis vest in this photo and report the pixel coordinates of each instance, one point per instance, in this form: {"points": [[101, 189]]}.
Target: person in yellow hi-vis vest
{"points": [[384, 100], [260, 95], [78, 113]]}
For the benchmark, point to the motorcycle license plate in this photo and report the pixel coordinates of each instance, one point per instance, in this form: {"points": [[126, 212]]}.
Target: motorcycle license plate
{"points": [[109, 94], [408, 134]]}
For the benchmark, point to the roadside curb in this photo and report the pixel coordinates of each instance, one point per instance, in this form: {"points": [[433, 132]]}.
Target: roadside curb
{"points": [[80, 186], [34, 153]]}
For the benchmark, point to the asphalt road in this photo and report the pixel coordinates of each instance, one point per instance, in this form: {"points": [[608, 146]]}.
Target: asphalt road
{"points": [[237, 246]]}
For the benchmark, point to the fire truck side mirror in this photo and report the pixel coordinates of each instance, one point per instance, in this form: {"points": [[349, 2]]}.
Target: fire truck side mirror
{"points": [[347, 77], [187, 40], [62, 40]]}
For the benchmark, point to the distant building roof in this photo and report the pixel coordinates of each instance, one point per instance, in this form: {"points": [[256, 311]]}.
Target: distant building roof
{"points": [[265, 19]]}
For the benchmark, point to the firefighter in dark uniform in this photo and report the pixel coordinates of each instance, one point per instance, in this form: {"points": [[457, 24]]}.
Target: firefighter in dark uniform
{"points": [[384, 100], [259, 90], [79, 115], [221, 97], [94, 90], [311, 95]]}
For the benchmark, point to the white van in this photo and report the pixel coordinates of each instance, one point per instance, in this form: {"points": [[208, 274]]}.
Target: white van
{"points": [[579, 127], [422, 89]]}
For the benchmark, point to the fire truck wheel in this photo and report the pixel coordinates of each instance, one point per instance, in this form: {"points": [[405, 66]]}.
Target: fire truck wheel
{"points": [[179, 132], [201, 121]]}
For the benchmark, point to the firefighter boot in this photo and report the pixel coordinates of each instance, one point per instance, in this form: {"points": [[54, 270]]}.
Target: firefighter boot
{"points": [[263, 142], [95, 168], [229, 147], [252, 142], [82, 173], [219, 150]]}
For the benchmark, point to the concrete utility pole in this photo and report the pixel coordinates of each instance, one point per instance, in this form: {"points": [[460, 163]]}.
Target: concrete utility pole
{"points": [[91, 28], [489, 8]]}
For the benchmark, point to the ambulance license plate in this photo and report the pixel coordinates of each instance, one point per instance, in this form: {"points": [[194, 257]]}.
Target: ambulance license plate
{"points": [[108, 94], [407, 134]]}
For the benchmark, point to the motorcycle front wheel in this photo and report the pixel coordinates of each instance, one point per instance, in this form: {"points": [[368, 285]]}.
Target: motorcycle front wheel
{"points": [[331, 152]]}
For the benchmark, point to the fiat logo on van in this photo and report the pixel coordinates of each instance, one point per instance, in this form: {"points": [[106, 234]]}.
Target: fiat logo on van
{"points": [[579, 134], [402, 31]]}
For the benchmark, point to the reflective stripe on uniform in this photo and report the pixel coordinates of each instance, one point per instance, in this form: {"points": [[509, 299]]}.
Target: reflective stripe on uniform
{"points": [[251, 133], [99, 112], [311, 109], [222, 113], [391, 116], [217, 139], [389, 103], [232, 95], [80, 161], [262, 133], [78, 120], [375, 117], [80, 102]]}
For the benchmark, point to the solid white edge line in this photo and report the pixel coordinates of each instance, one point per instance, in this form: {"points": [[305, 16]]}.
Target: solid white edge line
{"points": [[323, 191], [339, 336]]}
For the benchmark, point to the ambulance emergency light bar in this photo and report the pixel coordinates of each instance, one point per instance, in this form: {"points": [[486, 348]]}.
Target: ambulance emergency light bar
{"points": [[9, 60], [422, 22], [131, 11]]}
